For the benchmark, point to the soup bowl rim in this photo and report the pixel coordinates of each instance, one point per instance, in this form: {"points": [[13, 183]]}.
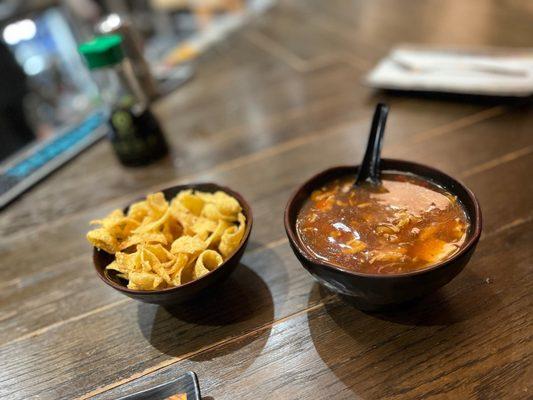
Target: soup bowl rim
{"points": [[472, 238]]}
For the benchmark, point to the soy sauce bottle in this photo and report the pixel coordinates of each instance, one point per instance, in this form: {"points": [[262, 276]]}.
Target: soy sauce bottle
{"points": [[136, 135]]}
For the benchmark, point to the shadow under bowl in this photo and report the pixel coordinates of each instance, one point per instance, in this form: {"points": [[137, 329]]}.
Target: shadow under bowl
{"points": [[191, 289], [378, 291]]}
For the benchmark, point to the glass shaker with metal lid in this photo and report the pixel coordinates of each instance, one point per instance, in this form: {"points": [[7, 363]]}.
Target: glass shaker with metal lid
{"points": [[136, 135]]}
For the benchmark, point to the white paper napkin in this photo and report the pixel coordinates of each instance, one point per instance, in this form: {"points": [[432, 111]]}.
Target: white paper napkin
{"points": [[494, 72]]}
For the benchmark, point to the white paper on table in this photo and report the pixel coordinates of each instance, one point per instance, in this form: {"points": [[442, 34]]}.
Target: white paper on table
{"points": [[494, 72]]}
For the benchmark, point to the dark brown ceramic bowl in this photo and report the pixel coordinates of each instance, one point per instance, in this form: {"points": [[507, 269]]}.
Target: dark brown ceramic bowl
{"points": [[373, 291], [189, 290]]}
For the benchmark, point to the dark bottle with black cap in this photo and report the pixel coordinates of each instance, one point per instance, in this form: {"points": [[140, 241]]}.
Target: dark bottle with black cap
{"points": [[136, 135]]}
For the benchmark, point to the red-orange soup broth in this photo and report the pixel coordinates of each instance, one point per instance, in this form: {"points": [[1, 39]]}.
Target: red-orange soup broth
{"points": [[406, 224]]}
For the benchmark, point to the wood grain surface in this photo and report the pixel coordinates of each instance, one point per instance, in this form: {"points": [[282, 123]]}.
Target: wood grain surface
{"points": [[272, 105]]}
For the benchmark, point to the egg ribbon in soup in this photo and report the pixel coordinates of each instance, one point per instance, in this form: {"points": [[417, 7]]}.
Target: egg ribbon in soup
{"points": [[406, 224]]}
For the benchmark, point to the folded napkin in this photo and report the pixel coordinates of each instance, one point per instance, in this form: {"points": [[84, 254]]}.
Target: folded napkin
{"points": [[494, 72]]}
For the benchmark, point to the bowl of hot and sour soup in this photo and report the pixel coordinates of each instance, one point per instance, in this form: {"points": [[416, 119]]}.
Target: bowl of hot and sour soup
{"points": [[383, 245]]}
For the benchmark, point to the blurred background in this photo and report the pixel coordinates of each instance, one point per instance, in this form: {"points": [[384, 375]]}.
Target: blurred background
{"points": [[44, 85], [52, 106]]}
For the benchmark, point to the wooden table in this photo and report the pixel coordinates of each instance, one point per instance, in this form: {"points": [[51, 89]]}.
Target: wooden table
{"points": [[276, 103]]}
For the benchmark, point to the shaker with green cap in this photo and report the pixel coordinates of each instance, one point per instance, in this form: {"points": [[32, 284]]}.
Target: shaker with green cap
{"points": [[135, 132]]}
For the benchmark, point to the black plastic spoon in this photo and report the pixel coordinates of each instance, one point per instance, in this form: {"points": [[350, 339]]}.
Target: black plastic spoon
{"points": [[369, 171]]}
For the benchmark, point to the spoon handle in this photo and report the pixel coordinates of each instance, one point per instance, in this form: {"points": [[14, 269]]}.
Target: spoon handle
{"points": [[369, 169]]}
